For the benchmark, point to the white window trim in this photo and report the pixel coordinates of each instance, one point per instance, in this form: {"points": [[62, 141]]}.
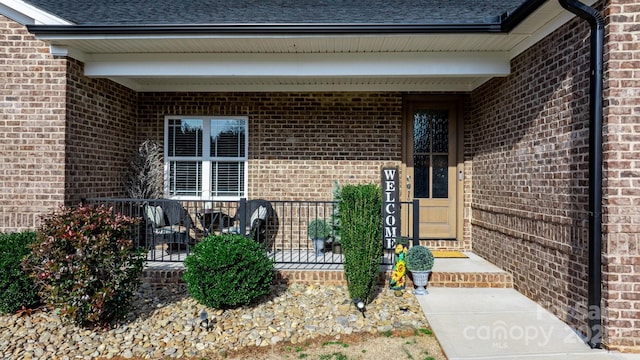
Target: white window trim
{"points": [[206, 159]]}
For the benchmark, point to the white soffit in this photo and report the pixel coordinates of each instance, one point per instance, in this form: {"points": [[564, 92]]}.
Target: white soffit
{"points": [[131, 44], [300, 72], [331, 84], [305, 65], [542, 22]]}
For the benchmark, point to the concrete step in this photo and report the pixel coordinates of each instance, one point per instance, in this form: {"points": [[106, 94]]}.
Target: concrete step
{"points": [[470, 272]]}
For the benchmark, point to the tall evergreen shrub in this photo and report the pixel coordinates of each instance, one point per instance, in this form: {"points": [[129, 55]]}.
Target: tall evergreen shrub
{"points": [[16, 288], [361, 231]]}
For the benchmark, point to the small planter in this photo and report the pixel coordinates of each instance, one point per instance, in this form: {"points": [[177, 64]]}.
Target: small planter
{"points": [[420, 280], [318, 231], [337, 248], [420, 262], [318, 245]]}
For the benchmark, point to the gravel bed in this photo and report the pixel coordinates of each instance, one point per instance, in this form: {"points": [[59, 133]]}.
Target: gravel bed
{"points": [[167, 324]]}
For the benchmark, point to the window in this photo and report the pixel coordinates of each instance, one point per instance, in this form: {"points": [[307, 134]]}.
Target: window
{"points": [[207, 167]]}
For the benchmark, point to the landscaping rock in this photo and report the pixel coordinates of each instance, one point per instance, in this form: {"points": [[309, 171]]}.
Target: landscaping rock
{"points": [[165, 323]]}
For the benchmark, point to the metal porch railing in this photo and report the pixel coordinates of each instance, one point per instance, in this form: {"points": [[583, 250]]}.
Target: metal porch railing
{"points": [[169, 228]]}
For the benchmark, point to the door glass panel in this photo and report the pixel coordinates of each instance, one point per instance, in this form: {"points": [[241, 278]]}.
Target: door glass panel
{"points": [[431, 153], [421, 131], [421, 172], [440, 176], [440, 125]]}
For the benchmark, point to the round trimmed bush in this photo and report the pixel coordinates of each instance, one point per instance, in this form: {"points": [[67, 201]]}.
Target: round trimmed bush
{"points": [[17, 289], [227, 271], [419, 258]]}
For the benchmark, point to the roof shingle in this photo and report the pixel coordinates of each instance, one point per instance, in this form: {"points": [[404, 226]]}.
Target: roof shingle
{"points": [[205, 12]]}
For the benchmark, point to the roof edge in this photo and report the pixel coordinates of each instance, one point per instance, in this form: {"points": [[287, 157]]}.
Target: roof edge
{"points": [[26, 14], [501, 24], [262, 29], [510, 21]]}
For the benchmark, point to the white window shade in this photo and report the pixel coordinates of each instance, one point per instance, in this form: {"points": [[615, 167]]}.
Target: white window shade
{"points": [[228, 138], [209, 169], [185, 137], [185, 178], [226, 179]]}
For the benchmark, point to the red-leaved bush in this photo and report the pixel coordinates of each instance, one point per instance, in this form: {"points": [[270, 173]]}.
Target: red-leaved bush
{"points": [[86, 264]]}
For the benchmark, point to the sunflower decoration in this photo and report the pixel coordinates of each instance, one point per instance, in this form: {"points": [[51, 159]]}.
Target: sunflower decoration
{"points": [[397, 281]]}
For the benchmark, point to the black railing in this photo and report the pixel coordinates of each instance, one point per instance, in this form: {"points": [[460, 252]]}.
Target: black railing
{"points": [[169, 228]]}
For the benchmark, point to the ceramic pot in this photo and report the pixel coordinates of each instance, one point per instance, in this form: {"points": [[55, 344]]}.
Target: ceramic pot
{"points": [[420, 280], [337, 248], [318, 245]]}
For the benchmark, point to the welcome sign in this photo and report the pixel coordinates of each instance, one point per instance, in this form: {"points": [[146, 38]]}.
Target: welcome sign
{"points": [[390, 206]]}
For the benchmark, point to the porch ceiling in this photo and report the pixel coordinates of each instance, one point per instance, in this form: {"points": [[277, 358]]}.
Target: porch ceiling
{"points": [[305, 62]]}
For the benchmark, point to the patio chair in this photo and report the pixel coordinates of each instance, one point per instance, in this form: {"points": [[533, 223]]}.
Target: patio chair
{"points": [[168, 223], [257, 215]]}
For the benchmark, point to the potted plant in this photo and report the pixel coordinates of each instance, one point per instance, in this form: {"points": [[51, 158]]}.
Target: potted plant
{"points": [[319, 231], [420, 262], [336, 246], [144, 179]]}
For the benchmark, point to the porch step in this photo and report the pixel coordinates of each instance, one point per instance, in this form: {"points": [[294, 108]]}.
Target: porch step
{"points": [[471, 280], [470, 272]]}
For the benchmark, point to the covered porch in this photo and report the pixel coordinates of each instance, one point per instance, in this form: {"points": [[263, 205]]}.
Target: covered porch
{"points": [[286, 242]]}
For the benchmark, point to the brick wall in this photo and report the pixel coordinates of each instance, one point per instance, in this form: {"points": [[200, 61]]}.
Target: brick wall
{"points": [[32, 128], [100, 135], [64, 136], [621, 218], [299, 143], [528, 138]]}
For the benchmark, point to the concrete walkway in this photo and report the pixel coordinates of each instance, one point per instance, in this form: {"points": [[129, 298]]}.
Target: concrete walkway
{"points": [[494, 323]]}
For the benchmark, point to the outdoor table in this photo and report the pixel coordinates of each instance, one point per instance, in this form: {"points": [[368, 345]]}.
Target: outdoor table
{"points": [[213, 220]]}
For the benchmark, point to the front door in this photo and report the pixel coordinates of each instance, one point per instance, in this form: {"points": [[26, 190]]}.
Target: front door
{"points": [[431, 167]]}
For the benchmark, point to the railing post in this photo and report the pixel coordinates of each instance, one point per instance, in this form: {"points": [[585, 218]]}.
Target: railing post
{"points": [[416, 222], [243, 218]]}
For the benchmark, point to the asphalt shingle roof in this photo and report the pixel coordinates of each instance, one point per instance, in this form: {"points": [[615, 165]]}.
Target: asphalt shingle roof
{"points": [[201, 12]]}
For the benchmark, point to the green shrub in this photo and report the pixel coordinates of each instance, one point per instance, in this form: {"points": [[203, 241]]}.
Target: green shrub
{"points": [[86, 264], [419, 258], [16, 288], [361, 235], [227, 271]]}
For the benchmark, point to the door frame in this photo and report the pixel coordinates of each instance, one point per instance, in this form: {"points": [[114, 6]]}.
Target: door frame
{"points": [[456, 101]]}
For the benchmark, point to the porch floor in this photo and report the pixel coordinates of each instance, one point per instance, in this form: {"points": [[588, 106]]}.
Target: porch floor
{"points": [[284, 259], [473, 263], [306, 259]]}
